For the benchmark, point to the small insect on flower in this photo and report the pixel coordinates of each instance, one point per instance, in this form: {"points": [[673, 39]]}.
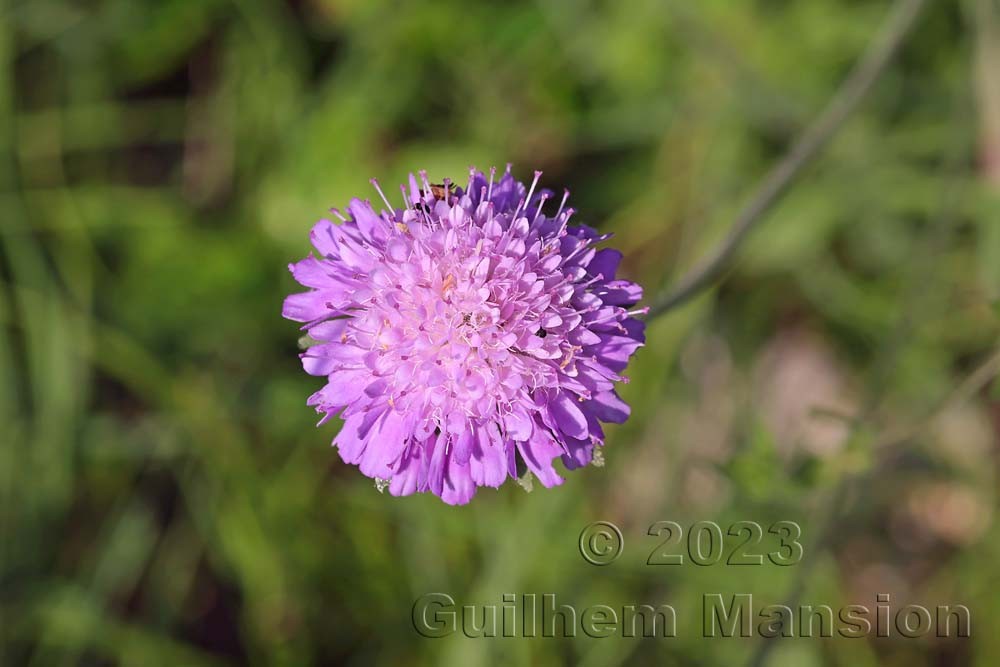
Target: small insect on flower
{"points": [[466, 337], [441, 191]]}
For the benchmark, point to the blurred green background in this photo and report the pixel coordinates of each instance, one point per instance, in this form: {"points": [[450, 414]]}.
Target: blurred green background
{"points": [[166, 498]]}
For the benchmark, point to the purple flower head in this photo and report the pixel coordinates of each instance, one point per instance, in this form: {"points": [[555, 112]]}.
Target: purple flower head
{"points": [[467, 337]]}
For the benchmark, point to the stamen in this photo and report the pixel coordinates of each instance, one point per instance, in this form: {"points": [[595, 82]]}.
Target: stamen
{"points": [[541, 204], [604, 320], [562, 203], [565, 218], [406, 198], [428, 214], [527, 200], [472, 175], [378, 189], [424, 180]]}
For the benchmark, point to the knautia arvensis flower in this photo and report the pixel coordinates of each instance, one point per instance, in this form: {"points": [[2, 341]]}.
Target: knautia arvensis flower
{"points": [[466, 337]]}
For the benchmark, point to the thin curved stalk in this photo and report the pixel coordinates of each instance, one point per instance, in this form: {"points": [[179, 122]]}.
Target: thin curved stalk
{"points": [[869, 68]]}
